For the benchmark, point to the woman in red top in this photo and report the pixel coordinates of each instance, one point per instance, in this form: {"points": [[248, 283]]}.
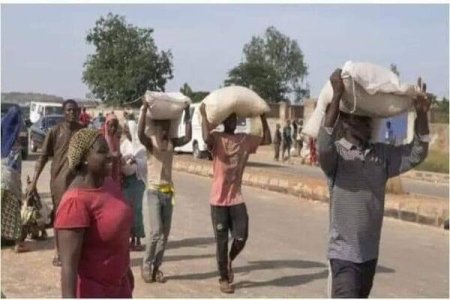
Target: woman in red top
{"points": [[93, 222]]}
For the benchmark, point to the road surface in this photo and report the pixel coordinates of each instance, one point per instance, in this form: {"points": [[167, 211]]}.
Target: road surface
{"points": [[284, 256]]}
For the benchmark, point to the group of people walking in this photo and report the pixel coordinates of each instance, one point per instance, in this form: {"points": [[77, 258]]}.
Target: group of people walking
{"points": [[98, 186]]}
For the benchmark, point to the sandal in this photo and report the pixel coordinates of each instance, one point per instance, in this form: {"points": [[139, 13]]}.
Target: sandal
{"points": [[158, 276], [20, 248], [56, 261]]}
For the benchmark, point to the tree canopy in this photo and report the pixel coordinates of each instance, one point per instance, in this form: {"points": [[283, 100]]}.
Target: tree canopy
{"points": [[274, 67], [126, 61]]}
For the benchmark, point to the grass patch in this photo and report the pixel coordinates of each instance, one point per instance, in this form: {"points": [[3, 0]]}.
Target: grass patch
{"points": [[436, 161]]}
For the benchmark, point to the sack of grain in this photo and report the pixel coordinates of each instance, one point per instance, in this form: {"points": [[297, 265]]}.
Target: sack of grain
{"points": [[240, 100], [165, 106], [370, 90]]}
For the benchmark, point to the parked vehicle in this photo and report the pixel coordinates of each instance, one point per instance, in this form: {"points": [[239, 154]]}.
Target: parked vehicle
{"points": [[42, 109], [197, 146], [23, 135], [39, 130]]}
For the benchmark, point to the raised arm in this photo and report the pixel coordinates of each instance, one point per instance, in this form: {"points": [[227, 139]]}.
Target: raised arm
{"points": [[206, 127], [267, 138], [143, 138], [47, 152], [70, 245], [403, 158], [327, 150], [178, 142]]}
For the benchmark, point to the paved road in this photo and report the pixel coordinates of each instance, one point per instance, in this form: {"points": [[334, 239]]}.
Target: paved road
{"points": [[410, 185], [284, 257]]}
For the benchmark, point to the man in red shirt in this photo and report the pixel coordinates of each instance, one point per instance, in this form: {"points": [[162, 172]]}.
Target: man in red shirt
{"points": [[85, 118], [230, 153]]}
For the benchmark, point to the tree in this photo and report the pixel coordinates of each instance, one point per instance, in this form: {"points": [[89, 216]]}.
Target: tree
{"points": [[195, 96], [274, 66], [126, 62], [395, 70]]}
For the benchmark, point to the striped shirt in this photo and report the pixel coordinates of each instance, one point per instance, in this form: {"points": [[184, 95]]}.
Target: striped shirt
{"points": [[357, 179]]}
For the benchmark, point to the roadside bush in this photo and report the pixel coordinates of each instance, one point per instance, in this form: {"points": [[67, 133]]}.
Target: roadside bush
{"points": [[435, 162]]}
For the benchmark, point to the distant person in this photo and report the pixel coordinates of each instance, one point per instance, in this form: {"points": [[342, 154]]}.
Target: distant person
{"points": [[160, 192], [111, 134], [55, 146], [357, 171], [93, 223], [389, 137], [134, 171], [299, 139], [287, 141], [85, 118], [277, 139], [11, 182], [230, 153]]}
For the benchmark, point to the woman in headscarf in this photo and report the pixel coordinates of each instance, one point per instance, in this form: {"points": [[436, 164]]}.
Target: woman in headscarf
{"points": [[11, 182], [93, 222], [110, 131], [134, 171]]}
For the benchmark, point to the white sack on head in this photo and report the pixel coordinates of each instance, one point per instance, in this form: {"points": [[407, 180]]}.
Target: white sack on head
{"points": [[165, 106], [233, 99], [370, 90]]}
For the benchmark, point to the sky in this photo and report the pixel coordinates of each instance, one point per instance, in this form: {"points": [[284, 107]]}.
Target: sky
{"points": [[43, 47]]}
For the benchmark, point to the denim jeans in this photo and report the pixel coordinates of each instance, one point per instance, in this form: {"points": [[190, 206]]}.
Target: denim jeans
{"points": [[158, 214]]}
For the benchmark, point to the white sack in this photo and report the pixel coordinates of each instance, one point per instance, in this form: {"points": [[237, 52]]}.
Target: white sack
{"points": [[370, 90], [233, 99], [165, 106]]}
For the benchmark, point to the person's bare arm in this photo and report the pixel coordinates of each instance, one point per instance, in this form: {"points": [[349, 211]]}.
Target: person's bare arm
{"points": [[70, 245], [267, 137], [46, 153], [206, 128], [178, 142], [143, 138]]}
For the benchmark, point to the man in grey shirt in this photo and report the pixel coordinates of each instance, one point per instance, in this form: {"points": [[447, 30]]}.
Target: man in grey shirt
{"points": [[357, 172]]}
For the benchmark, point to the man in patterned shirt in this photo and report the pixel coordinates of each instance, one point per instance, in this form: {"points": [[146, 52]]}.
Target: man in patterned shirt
{"points": [[357, 172]]}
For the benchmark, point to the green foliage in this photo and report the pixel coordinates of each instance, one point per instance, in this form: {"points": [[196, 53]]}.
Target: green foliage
{"points": [[126, 62], [436, 161], [195, 96], [274, 67], [395, 70]]}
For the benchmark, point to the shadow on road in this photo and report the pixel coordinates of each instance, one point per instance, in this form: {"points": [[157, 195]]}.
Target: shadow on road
{"points": [[138, 261], [263, 165], [256, 266], [285, 281], [201, 242]]}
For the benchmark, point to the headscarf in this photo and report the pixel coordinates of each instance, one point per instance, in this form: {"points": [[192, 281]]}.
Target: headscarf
{"points": [[112, 140], [11, 125], [136, 149], [79, 146]]}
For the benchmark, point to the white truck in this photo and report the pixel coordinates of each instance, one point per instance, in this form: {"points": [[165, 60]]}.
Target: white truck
{"points": [[197, 146], [41, 109]]}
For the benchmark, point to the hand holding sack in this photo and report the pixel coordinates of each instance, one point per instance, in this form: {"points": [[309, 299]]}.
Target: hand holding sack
{"points": [[370, 90]]}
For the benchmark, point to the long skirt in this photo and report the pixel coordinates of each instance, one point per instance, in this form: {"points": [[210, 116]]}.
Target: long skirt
{"points": [[133, 190]]}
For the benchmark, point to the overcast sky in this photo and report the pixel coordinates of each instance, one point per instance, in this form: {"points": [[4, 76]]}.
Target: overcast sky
{"points": [[43, 46]]}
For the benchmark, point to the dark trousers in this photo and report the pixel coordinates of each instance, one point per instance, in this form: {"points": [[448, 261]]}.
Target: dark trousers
{"points": [[352, 280], [227, 219], [276, 149]]}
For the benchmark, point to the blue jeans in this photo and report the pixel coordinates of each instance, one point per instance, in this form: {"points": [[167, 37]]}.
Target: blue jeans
{"points": [[158, 211]]}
